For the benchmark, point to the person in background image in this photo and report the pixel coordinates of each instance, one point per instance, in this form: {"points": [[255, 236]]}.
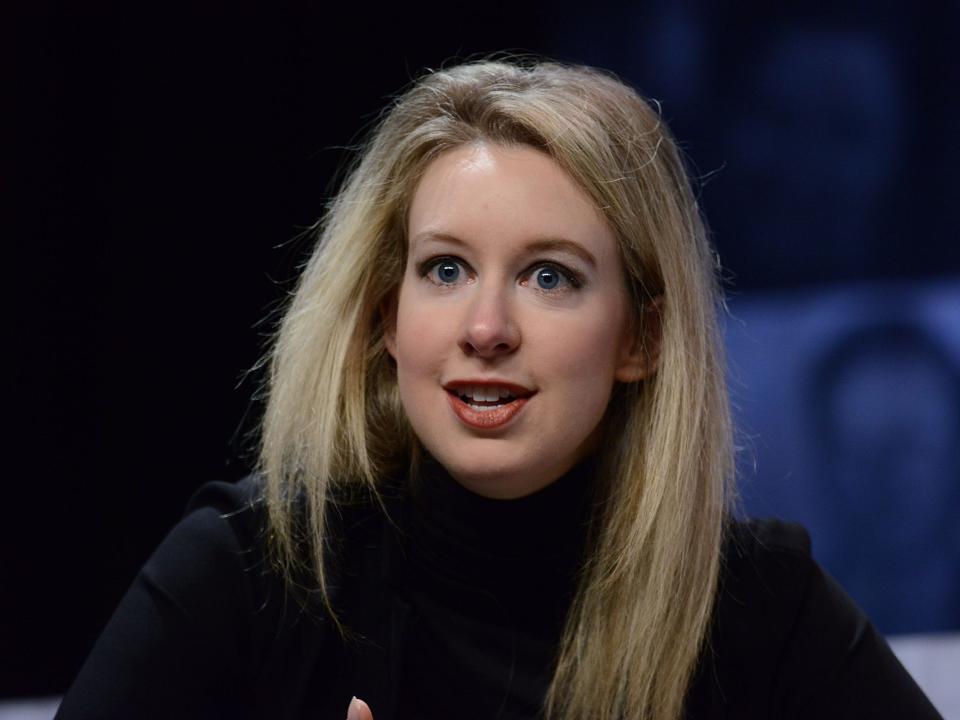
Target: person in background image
{"points": [[496, 458]]}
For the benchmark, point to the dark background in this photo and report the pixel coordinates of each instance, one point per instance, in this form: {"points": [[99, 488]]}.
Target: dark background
{"points": [[160, 173]]}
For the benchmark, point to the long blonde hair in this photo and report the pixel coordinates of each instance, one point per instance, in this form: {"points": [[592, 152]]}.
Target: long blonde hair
{"points": [[641, 614]]}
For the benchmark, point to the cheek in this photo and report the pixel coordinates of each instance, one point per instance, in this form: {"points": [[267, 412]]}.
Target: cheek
{"points": [[587, 345], [579, 360], [423, 340]]}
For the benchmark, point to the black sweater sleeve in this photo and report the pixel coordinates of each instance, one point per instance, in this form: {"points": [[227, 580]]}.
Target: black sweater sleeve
{"points": [[176, 644]]}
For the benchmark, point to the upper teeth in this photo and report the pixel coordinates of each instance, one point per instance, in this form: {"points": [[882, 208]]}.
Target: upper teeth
{"points": [[487, 393]]}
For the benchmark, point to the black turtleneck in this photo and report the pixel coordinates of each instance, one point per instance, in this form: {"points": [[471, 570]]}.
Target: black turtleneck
{"points": [[489, 583], [455, 605]]}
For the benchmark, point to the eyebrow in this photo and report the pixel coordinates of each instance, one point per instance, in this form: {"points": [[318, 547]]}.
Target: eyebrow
{"points": [[540, 245]]}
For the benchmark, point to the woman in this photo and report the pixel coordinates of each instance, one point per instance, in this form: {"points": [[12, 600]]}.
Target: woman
{"points": [[496, 456]]}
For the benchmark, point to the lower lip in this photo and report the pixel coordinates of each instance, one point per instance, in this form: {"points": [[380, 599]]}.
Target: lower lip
{"points": [[496, 417]]}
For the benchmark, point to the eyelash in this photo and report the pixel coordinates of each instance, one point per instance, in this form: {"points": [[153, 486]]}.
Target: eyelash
{"points": [[574, 280]]}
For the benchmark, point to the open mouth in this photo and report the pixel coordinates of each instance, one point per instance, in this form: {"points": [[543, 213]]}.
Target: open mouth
{"points": [[484, 398], [487, 406]]}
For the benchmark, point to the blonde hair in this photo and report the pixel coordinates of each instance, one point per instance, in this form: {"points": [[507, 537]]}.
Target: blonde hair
{"points": [[641, 614]]}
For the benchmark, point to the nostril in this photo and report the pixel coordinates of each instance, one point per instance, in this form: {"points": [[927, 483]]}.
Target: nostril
{"points": [[490, 330]]}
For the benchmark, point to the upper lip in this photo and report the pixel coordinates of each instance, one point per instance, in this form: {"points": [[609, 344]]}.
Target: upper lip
{"points": [[514, 388]]}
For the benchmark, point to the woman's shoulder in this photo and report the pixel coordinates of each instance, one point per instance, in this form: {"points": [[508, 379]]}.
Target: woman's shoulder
{"points": [[212, 570], [768, 534], [787, 640], [766, 564], [766, 567], [216, 542], [182, 635], [226, 526], [243, 495], [208, 628], [233, 516]]}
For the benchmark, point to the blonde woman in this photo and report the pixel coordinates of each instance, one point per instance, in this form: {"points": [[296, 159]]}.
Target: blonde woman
{"points": [[496, 457]]}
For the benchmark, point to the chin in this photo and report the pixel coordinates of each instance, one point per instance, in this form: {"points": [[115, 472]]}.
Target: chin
{"points": [[496, 479]]}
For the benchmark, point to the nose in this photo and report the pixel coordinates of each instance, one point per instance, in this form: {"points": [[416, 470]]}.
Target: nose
{"points": [[489, 328]]}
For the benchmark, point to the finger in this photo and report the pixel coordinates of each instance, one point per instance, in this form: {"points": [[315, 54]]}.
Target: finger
{"points": [[359, 710]]}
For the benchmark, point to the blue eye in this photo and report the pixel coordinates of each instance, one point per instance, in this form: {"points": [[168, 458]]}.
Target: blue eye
{"points": [[443, 271], [548, 278], [448, 272]]}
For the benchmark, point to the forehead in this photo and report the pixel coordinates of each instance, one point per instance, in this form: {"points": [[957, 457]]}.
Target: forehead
{"points": [[502, 196]]}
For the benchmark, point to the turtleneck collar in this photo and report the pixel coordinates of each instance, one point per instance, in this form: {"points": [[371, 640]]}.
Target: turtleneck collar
{"points": [[515, 559], [541, 523]]}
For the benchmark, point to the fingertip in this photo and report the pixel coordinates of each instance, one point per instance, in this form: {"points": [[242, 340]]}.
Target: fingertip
{"points": [[358, 710]]}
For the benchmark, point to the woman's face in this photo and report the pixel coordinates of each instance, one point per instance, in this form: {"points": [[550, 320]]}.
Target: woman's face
{"points": [[512, 322]]}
